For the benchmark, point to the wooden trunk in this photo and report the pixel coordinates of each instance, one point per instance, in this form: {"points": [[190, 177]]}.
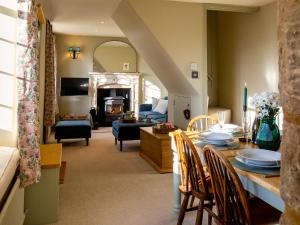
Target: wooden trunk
{"points": [[156, 150]]}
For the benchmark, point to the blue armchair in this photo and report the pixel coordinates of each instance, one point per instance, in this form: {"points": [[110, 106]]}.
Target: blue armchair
{"points": [[145, 111]]}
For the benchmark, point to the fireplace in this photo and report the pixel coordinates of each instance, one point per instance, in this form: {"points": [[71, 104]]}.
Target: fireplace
{"points": [[106, 84], [112, 103], [113, 107]]}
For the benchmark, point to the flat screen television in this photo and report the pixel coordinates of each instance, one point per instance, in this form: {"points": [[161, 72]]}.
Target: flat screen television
{"points": [[70, 86]]}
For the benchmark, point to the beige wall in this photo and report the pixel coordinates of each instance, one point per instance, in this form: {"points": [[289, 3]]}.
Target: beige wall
{"points": [[169, 36], [80, 67], [149, 75], [247, 52], [111, 58], [183, 37], [212, 58]]}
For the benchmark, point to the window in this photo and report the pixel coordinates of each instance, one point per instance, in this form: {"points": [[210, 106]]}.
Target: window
{"points": [[8, 20], [151, 91]]}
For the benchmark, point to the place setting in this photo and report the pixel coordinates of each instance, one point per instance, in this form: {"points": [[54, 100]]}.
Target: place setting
{"points": [[258, 161], [222, 136], [221, 141]]}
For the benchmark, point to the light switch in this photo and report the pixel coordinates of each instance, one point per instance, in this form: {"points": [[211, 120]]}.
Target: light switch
{"points": [[194, 67]]}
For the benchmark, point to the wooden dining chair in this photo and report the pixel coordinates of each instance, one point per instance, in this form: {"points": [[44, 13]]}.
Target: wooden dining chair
{"points": [[193, 180], [201, 123], [231, 200], [184, 187]]}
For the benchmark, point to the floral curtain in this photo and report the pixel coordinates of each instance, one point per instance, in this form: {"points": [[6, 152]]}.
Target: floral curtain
{"points": [[50, 78], [28, 91]]}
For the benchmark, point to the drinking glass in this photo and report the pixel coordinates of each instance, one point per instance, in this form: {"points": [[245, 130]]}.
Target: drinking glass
{"points": [[221, 116], [246, 124]]}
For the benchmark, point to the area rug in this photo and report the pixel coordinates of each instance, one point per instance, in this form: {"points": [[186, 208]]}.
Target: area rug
{"points": [[62, 172]]}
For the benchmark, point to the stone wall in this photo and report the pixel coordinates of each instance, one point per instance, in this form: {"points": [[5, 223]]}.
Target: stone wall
{"points": [[289, 87]]}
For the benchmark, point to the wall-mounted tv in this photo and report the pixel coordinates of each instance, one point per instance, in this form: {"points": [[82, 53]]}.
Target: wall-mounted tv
{"points": [[70, 86]]}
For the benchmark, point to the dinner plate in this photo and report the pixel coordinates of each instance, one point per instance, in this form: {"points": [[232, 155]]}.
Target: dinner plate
{"points": [[260, 156], [220, 143], [245, 161], [215, 136], [225, 127]]}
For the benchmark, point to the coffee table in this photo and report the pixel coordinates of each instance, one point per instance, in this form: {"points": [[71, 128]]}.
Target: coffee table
{"points": [[127, 131]]}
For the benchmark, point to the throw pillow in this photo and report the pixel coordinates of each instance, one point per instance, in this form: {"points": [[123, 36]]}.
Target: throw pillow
{"points": [[162, 106], [154, 102]]}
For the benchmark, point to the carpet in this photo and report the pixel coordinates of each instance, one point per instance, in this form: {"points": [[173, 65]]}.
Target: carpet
{"points": [[104, 186], [62, 172]]}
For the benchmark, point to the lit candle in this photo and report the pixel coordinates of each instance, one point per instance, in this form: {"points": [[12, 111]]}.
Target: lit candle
{"points": [[245, 98]]}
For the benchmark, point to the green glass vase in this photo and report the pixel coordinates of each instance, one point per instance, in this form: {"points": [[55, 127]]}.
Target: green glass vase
{"points": [[268, 136]]}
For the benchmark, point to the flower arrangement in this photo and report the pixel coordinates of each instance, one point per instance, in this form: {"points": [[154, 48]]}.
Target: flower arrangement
{"points": [[267, 104]]}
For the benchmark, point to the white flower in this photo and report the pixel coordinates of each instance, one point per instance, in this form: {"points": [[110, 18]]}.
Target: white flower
{"points": [[267, 103]]}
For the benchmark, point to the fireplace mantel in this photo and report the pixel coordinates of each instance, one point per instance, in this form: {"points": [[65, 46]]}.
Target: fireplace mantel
{"points": [[116, 80]]}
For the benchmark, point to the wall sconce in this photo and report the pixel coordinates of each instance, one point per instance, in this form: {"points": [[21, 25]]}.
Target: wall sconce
{"points": [[74, 52]]}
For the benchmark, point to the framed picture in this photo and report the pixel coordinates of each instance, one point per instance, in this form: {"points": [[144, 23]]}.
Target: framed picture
{"points": [[125, 66]]}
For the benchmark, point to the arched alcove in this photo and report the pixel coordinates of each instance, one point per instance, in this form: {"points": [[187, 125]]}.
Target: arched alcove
{"points": [[114, 57]]}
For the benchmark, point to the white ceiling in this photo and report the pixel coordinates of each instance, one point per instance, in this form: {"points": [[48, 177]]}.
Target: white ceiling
{"points": [[93, 17], [252, 3]]}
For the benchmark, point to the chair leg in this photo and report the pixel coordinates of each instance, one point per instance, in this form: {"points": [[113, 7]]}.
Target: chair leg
{"points": [[192, 201], [121, 145], [209, 222], [116, 141], [200, 213], [87, 141], [183, 208]]}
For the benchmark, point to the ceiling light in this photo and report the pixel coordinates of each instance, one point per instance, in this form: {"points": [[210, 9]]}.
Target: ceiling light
{"points": [[102, 22]]}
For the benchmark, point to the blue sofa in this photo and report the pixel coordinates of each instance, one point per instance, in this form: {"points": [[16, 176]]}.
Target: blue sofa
{"points": [[145, 111]]}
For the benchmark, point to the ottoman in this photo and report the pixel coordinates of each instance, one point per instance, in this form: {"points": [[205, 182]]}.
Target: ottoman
{"points": [[69, 129], [127, 131]]}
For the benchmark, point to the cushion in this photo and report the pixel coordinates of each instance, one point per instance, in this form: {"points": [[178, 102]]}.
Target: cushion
{"points": [[73, 123], [73, 117], [154, 102], [162, 106]]}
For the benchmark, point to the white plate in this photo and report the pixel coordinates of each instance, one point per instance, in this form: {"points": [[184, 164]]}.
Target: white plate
{"points": [[245, 161], [225, 127], [219, 142], [215, 136], [260, 156]]}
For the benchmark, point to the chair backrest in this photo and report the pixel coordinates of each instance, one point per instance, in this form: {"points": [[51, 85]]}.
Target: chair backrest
{"points": [[230, 197], [181, 157], [196, 175], [201, 123]]}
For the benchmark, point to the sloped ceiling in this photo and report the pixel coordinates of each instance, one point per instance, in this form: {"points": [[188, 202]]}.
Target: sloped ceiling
{"points": [[93, 17]]}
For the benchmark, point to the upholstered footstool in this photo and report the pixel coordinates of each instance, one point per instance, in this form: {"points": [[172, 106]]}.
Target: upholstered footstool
{"points": [[69, 129], [127, 131]]}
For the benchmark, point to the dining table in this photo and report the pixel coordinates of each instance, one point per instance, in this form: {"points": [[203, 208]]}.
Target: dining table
{"points": [[265, 187]]}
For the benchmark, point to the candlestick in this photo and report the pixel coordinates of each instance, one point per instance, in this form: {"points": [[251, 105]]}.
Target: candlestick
{"points": [[245, 98]]}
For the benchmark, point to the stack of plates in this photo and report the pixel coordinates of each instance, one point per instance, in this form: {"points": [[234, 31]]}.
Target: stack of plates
{"points": [[232, 129], [259, 158], [220, 139]]}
